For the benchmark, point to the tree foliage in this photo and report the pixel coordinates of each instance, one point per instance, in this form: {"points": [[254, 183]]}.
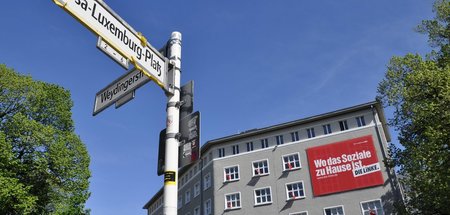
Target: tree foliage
{"points": [[418, 89], [44, 166]]}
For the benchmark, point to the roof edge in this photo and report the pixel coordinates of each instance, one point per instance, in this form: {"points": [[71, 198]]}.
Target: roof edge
{"points": [[253, 132]]}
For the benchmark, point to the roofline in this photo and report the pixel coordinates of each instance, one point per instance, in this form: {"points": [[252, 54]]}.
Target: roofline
{"points": [[154, 198], [369, 105], [254, 132]]}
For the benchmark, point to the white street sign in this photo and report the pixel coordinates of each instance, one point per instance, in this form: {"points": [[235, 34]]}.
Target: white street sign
{"points": [[112, 53], [119, 88], [104, 22]]}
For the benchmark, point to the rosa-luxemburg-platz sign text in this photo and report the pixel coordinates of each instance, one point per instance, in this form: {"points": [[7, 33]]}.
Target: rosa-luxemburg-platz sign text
{"points": [[100, 19]]}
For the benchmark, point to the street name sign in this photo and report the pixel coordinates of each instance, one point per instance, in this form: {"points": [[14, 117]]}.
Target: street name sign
{"points": [[119, 88], [112, 53], [104, 22]]}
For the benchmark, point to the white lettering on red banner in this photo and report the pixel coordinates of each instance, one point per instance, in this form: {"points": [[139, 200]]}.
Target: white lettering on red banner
{"points": [[343, 166]]}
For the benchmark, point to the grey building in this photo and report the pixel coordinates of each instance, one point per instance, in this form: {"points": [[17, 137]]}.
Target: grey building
{"points": [[326, 164]]}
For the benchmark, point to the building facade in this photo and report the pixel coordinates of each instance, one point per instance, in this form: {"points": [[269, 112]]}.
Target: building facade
{"points": [[326, 164]]}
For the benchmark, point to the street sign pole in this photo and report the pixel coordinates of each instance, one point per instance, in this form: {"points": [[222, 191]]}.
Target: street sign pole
{"points": [[172, 130]]}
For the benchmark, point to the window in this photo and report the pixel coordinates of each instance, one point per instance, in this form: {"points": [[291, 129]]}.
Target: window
{"points": [[187, 197], [373, 207], [311, 132], [360, 121], [207, 207], [343, 125], [231, 173], [197, 210], [263, 196], [180, 202], [196, 189], [221, 152], [294, 136], [235, 149], [279, 139], [207, 181], [326, 129], [260, 168], [291, 162], [297, 213], [232, 201], [249, 146], [336, 210], [295, 191], [264, 143]]}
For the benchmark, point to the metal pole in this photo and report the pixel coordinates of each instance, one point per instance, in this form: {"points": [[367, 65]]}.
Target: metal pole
{"points": [[172, 130]]}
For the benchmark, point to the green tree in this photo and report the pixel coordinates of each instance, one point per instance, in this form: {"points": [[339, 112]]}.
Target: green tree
{"points": [[418, 90], [44, 166]]}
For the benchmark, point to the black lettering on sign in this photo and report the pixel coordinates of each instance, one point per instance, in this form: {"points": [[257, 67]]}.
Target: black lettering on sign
{"points": [[169, 177]]}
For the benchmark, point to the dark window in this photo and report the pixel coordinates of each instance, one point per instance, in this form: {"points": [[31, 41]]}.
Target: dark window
{"points": [[326, 129], [264, 143], [343, 125], [250, 146], [279, 139], [311, 132], [360, 121], [294, 136], [235, 149]]}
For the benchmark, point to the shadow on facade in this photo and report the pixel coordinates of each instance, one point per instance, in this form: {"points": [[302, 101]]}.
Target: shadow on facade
{"points": [[287, 205], [253, 181]]}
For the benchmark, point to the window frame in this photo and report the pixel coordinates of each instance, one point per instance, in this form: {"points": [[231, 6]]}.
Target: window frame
{"points": [[253, 168], [238, 200], [197, 191], [207, 202], [207, 182], [264, 143], [310, 132], [221, 152], [263, 203], [187, 196], [250, 146], [327, 129], [336, 206], [279, 139], [293, 168], [360, 121], [235, 149], [288, 191], [198, 207], [295, 136], [225, 180], [343, 125], [373, 200]]}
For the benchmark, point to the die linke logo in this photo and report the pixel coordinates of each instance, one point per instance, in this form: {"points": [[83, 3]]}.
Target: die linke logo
{"points": [[343, 166]]}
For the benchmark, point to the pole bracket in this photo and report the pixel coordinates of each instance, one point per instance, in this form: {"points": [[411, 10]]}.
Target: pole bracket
{"points": [[175, 104], [173, 135]]}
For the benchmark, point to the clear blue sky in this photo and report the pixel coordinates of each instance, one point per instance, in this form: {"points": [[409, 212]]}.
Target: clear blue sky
{"points": [[254, 63]]}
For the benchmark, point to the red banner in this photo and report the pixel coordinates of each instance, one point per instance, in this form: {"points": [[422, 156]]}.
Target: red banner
{"points": [[343, 166]]}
